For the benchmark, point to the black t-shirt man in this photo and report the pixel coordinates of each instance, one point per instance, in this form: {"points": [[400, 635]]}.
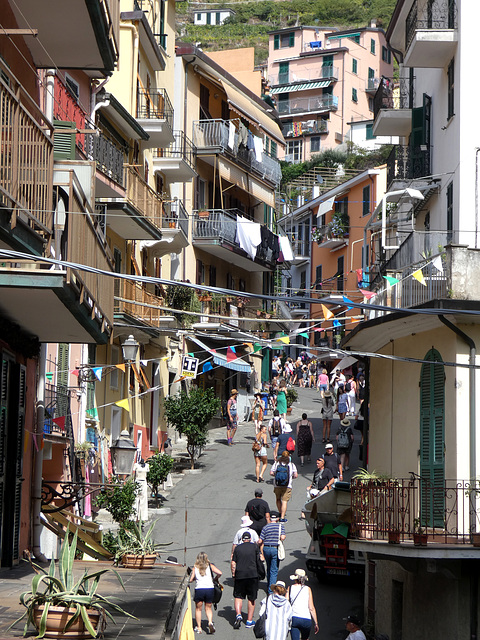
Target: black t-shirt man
{"points": [[332, 463], [257, 509], [321, 478], [245, 558]]}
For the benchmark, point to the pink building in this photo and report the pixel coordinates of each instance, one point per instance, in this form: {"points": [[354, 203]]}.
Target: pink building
{"points": [[322, 79]]}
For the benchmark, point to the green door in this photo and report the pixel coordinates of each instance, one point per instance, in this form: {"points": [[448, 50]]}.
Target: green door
{"points": [[432, 441], [284, 73]]}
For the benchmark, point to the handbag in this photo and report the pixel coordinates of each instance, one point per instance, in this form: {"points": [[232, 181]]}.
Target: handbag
{"points": [[280, 548], [256, 446], [260, 568], [217, 590], [259, 628]]}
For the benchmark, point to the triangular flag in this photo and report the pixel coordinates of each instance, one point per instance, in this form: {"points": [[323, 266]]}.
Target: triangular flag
{"points": [[207, 367], [233, 349], [191, 354], [231, 354], [336, 323], [418, 275], [144, 363], [319, 329], [92, 412], [164, 358], [437, 263], [123, 404], [359, 274], [121, 367], [284, 339], [347, 300], [75, 372], [391, 281], [49, 376], [327, 314], [305, 334], [356, 320], [249, 345], [367, 294], [257, 347], [60, 421], [179, 379], [97, 372]]}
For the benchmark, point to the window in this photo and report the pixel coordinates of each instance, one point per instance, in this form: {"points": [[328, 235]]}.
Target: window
{"points": [[212, 277], [314, 144], [354, 95], [370, 104], [450, 212], [273, 149], [369, 132], [341, 206], [340, 273], [303, 283], [372, 84], [294, 151], [318, 277], [199, 16], [283, 40], [354, 65], [450, 90], [366, 200], [72, 86], [209, 18], [217, 17], [372, 46], [283, 73], [386, 55]]}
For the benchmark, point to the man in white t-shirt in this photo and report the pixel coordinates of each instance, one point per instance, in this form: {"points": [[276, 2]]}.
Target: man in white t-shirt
{"points": [[353, 627], [245, 526]]}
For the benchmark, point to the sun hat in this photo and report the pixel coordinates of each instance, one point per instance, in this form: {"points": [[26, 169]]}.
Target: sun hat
{"points": [[345, 422], [327, 394], [234, 392], [299, 573], [246, 521]]}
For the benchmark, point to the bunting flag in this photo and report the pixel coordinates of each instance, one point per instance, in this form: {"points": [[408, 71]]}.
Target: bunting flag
{"points": [[356, 320], [391, 281], [249, 345], [347, 300], [336, 323], [97, 371], [418, 275], [191, 354], [437, 263], [367, 294], [327, 314], [304, 334], [93, 413], [164, 358], [257, 347], [284, 339], [316, 329], [233, 349], [75, 372], [60, 421], [144, 363], [49, 376], [231, 355], [359, 275], [123, 404], [179, 379], [121, 367], [207, 367]]}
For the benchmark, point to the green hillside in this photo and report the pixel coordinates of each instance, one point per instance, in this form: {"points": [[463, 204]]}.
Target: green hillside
{"points": [[254, 19]]}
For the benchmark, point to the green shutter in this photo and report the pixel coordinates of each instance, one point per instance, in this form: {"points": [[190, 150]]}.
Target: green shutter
{"points": [[292, 39], [354, 65], [283, 73], [64, 143], [20, 405], [276, 41]]}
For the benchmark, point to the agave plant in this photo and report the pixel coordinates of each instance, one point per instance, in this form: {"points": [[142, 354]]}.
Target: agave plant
{"points": [[63, 590], [132, 539]]}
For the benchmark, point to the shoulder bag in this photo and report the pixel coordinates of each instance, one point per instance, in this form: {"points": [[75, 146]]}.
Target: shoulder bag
{"points": [[280, 548], [260, 567], [259, 628], [217, 590]]}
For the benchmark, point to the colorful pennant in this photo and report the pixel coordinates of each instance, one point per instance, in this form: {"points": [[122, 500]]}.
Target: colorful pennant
{"points": [[231, 355], [418, 275], [284, 339], [49, 376], [304, 334], [121, 367], [327, 314], [207, 367], [123, 404], [367, 294], [437, 263], [60, 422], [97, 371], [391, 281]]}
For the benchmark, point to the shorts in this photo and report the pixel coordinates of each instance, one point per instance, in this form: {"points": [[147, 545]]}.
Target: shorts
{"points": [[204, 595], [245, 588], [284, 493]]}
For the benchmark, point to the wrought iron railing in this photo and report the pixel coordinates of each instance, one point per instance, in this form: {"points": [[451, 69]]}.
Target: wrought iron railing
{"points": [[430, 14], [175, 216], [154, 104], [108, 158], [406, 162], [58, 418], [393, 95], [446, 511], [306, 105], [182, 148], [297, 129]]}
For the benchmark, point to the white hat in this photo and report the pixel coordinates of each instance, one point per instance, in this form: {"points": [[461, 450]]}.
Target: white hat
{"points": [[246, 522], [279, 583], [287, 428], [299, 573]]}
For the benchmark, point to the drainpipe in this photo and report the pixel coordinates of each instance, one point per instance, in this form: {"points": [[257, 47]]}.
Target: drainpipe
{"points": [[472, 404], [38, 463], [49, 93]]}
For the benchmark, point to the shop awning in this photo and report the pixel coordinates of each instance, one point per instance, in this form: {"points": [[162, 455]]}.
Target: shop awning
{"points": [[303, 86], [220, 359], [250, 110]]}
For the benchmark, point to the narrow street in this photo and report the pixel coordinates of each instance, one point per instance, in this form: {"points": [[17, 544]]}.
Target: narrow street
{"points": [[216, 498]]}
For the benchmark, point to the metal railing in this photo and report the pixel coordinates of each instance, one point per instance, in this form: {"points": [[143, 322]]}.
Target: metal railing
{"points": [[300, 248], [447, 511], [406, 162], [318, 126], [181, 148], [108, 158], [300, 105], [175, 216], [428, 14], [133, 299], [325, 72], [372, 84], [390, 95], [215, 135], [57, 406], [26, 156], [154, 104], [144, 198]]}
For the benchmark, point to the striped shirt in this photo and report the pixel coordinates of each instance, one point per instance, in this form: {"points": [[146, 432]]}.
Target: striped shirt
{"points": [[270, 534]]}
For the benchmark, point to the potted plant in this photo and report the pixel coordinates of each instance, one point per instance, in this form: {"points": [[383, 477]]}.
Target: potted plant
{"points": [[420, 536], [292, 396], [60, 605], [134, 548], [365, 522]]}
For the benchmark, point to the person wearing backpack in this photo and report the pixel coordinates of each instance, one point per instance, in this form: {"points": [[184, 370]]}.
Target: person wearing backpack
{"points": [[283, 472], [276, 427], [332, 462], [344, 442]]}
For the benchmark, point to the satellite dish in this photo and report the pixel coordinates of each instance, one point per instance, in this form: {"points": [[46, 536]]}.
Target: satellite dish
{"points": [[320, 179]]}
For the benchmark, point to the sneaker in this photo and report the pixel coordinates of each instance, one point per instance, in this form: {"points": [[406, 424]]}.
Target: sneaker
{"points": [[250, 623], [197, 630], [210, 628], [238, 622], [283, 520]]}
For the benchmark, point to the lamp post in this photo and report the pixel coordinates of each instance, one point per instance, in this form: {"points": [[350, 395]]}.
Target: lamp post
{"points": [[130, 349], [123, 453]]}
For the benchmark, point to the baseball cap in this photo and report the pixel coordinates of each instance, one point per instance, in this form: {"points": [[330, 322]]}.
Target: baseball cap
{"points": [[329, 445], [354, 620], [246, 535]]}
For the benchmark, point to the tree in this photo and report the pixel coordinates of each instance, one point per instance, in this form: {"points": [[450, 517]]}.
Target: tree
{"points": [[118, 498], [190, 413], [159, 466]]}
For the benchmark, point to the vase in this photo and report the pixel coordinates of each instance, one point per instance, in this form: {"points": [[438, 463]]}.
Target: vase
{"points": [[132, 561], [58, 618], [421, 539]]}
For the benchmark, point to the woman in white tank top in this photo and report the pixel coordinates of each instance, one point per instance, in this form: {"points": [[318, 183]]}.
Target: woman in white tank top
{"points": [[301, 598], [204, 573]]}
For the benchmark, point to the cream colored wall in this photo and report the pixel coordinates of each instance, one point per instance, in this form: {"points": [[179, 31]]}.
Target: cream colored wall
{"points": [[240, 63]]}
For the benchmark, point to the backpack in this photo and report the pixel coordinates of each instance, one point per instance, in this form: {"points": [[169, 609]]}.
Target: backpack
{"points": [[343, 439], [290, 445], [276, 427], [282, 475], [348, 387]]}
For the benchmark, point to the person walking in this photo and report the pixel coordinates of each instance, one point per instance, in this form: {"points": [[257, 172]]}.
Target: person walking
{"points": [[351, 390], [303, 609], [345, 440], [282, 399], [332, 462], [305, 439], [283, 472], [276, 427], [258, 511], [342, 402], [278, 613], [328, 407], [244, 566], [260, 453], [322, 383], [232, 416], [257, 412], [204, 573], [247, 522], [270, 537]]}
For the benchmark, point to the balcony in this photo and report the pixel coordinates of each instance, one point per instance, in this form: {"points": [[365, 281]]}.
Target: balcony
{"points": [[215, 232], [174, 231], [325, 72], [307, 105], [153, 44], [89, 34], [295, 129], [300, 248], [177, 162], [372, 84], [138, 215], [212, 136], [407, 163], [332, 235], [132, 299], [26, 169], [109, 161], [431, 34], [392, 511], [57, 427], [155, 116], [392, 108]]}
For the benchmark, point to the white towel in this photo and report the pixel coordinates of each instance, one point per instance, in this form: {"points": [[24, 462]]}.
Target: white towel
{"points": [[231, 135], [286, 248], [248, 236], [258, 146]]}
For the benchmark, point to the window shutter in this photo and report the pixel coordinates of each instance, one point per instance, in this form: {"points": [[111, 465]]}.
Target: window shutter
{"points": [[291, 39], [64, 143], [20, 404], [276, 41]]}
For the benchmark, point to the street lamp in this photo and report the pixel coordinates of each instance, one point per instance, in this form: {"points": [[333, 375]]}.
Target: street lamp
{"points": [[123, 453], [130, 349]]}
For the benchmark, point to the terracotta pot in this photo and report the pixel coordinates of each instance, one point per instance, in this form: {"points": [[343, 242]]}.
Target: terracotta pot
{"points": [[394, 537], [476, 539], [421, 539], [364, 531], [57, 620], [289, 410], [131, 561]]}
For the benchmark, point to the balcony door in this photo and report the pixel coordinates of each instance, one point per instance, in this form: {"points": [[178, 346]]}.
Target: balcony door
{"points": [[432, 440]]}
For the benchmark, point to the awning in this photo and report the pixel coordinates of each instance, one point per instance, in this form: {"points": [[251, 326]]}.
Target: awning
{"points": [[250, 110], [261, 192], [221, 360], [346, 362], [303, 86], [344, 35]]}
